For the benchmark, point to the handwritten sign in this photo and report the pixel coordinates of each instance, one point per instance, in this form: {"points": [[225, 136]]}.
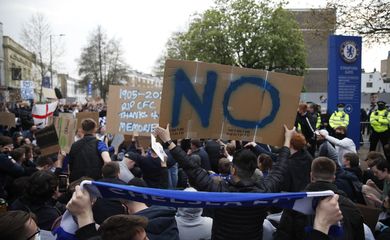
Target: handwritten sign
{"points": [[27, 89], [202, 100], [133, 110]]}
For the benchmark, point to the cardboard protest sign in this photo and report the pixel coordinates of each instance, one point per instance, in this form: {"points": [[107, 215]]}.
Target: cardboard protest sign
{"points": [[202, 100], [133, 110], [84, 115], [66, 131], [49, 93], [27, 89], [47, 140], [7, 119]]}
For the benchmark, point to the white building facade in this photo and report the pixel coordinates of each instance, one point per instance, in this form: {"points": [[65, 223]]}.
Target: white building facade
{"points": [[374, 83]]}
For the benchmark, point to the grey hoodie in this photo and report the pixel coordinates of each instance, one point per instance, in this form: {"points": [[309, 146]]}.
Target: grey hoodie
{"points": [[191, 225]]}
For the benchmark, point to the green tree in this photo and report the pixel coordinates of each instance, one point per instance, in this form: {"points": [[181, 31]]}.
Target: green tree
{"points": [[246, 33], [101, 62], [368, 18]]}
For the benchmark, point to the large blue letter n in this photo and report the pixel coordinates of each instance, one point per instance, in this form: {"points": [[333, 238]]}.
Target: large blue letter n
{"points": [[184, 87]]}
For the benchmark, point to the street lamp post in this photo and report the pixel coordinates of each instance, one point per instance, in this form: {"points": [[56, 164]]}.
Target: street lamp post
{"points": [[51, 57]]}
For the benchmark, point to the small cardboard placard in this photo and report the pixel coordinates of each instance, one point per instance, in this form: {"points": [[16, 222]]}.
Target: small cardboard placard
{"points": [[47, 140], [66, 131], [84, 115], [133, 110], [157, 148], [49, 93], [7, 119], [202, 100]]}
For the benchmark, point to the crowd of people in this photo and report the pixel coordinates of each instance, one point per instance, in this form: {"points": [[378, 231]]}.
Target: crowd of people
{"points": [[36, 191]]}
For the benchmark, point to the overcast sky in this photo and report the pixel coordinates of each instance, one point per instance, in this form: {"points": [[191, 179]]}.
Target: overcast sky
{"points": [[143, 26]]}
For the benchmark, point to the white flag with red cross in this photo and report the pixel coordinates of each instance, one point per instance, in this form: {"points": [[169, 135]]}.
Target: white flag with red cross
{"points": [[42, 112]]}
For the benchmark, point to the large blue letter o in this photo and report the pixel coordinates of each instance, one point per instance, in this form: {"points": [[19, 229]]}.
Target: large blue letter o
{"points": [[261, 83]]}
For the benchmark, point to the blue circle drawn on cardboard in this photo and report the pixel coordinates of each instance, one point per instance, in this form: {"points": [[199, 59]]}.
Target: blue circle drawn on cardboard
{"points": [[261, 83]]}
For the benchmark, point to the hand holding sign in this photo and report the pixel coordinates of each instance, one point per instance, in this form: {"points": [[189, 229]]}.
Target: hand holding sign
{"points": [[163, 133], [158, 148]]}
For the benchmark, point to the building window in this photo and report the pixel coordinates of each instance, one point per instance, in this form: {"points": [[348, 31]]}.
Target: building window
{"points": [[16, 73], [369, 85]]}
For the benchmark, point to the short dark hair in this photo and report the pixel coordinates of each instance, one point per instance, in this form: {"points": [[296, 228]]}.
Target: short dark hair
{"points": [[196, 142], [381, 164], [28, 148], [353, 159], [122, 227], [265, 160], [41, 186], [341, 128], [5, 140], [224, 166], [298, 141], [374, 156], [110, 170], [88, 125], [245, 163], [17, 153], [13, 224], [43, 161], [323, 168]]}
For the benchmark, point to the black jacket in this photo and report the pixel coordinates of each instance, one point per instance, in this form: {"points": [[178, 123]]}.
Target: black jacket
{"points": [[45, 212], [161, 223], [204, 157], [84, 159], [235, 223], [8, 170], [154, 175], [213, 150], [305, 124], [298, 176], [292, 224]]}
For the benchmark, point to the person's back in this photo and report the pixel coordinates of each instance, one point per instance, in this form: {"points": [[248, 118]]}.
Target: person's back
{"points": [[191, 225], [162, 222], [298, 165], [87, 156], [85, 159], [196, 147], [294, 225], [241, 222]]}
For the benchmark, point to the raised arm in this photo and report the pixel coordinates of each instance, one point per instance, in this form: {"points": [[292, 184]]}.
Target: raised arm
{"points": [[274, 180], [198, 177]]}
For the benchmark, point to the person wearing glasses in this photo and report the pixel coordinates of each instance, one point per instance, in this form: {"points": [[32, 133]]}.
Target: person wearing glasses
{"points": [[19, 225]]}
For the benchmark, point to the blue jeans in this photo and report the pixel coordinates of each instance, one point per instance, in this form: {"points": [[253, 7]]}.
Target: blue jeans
{"points": [[172, 176]]}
